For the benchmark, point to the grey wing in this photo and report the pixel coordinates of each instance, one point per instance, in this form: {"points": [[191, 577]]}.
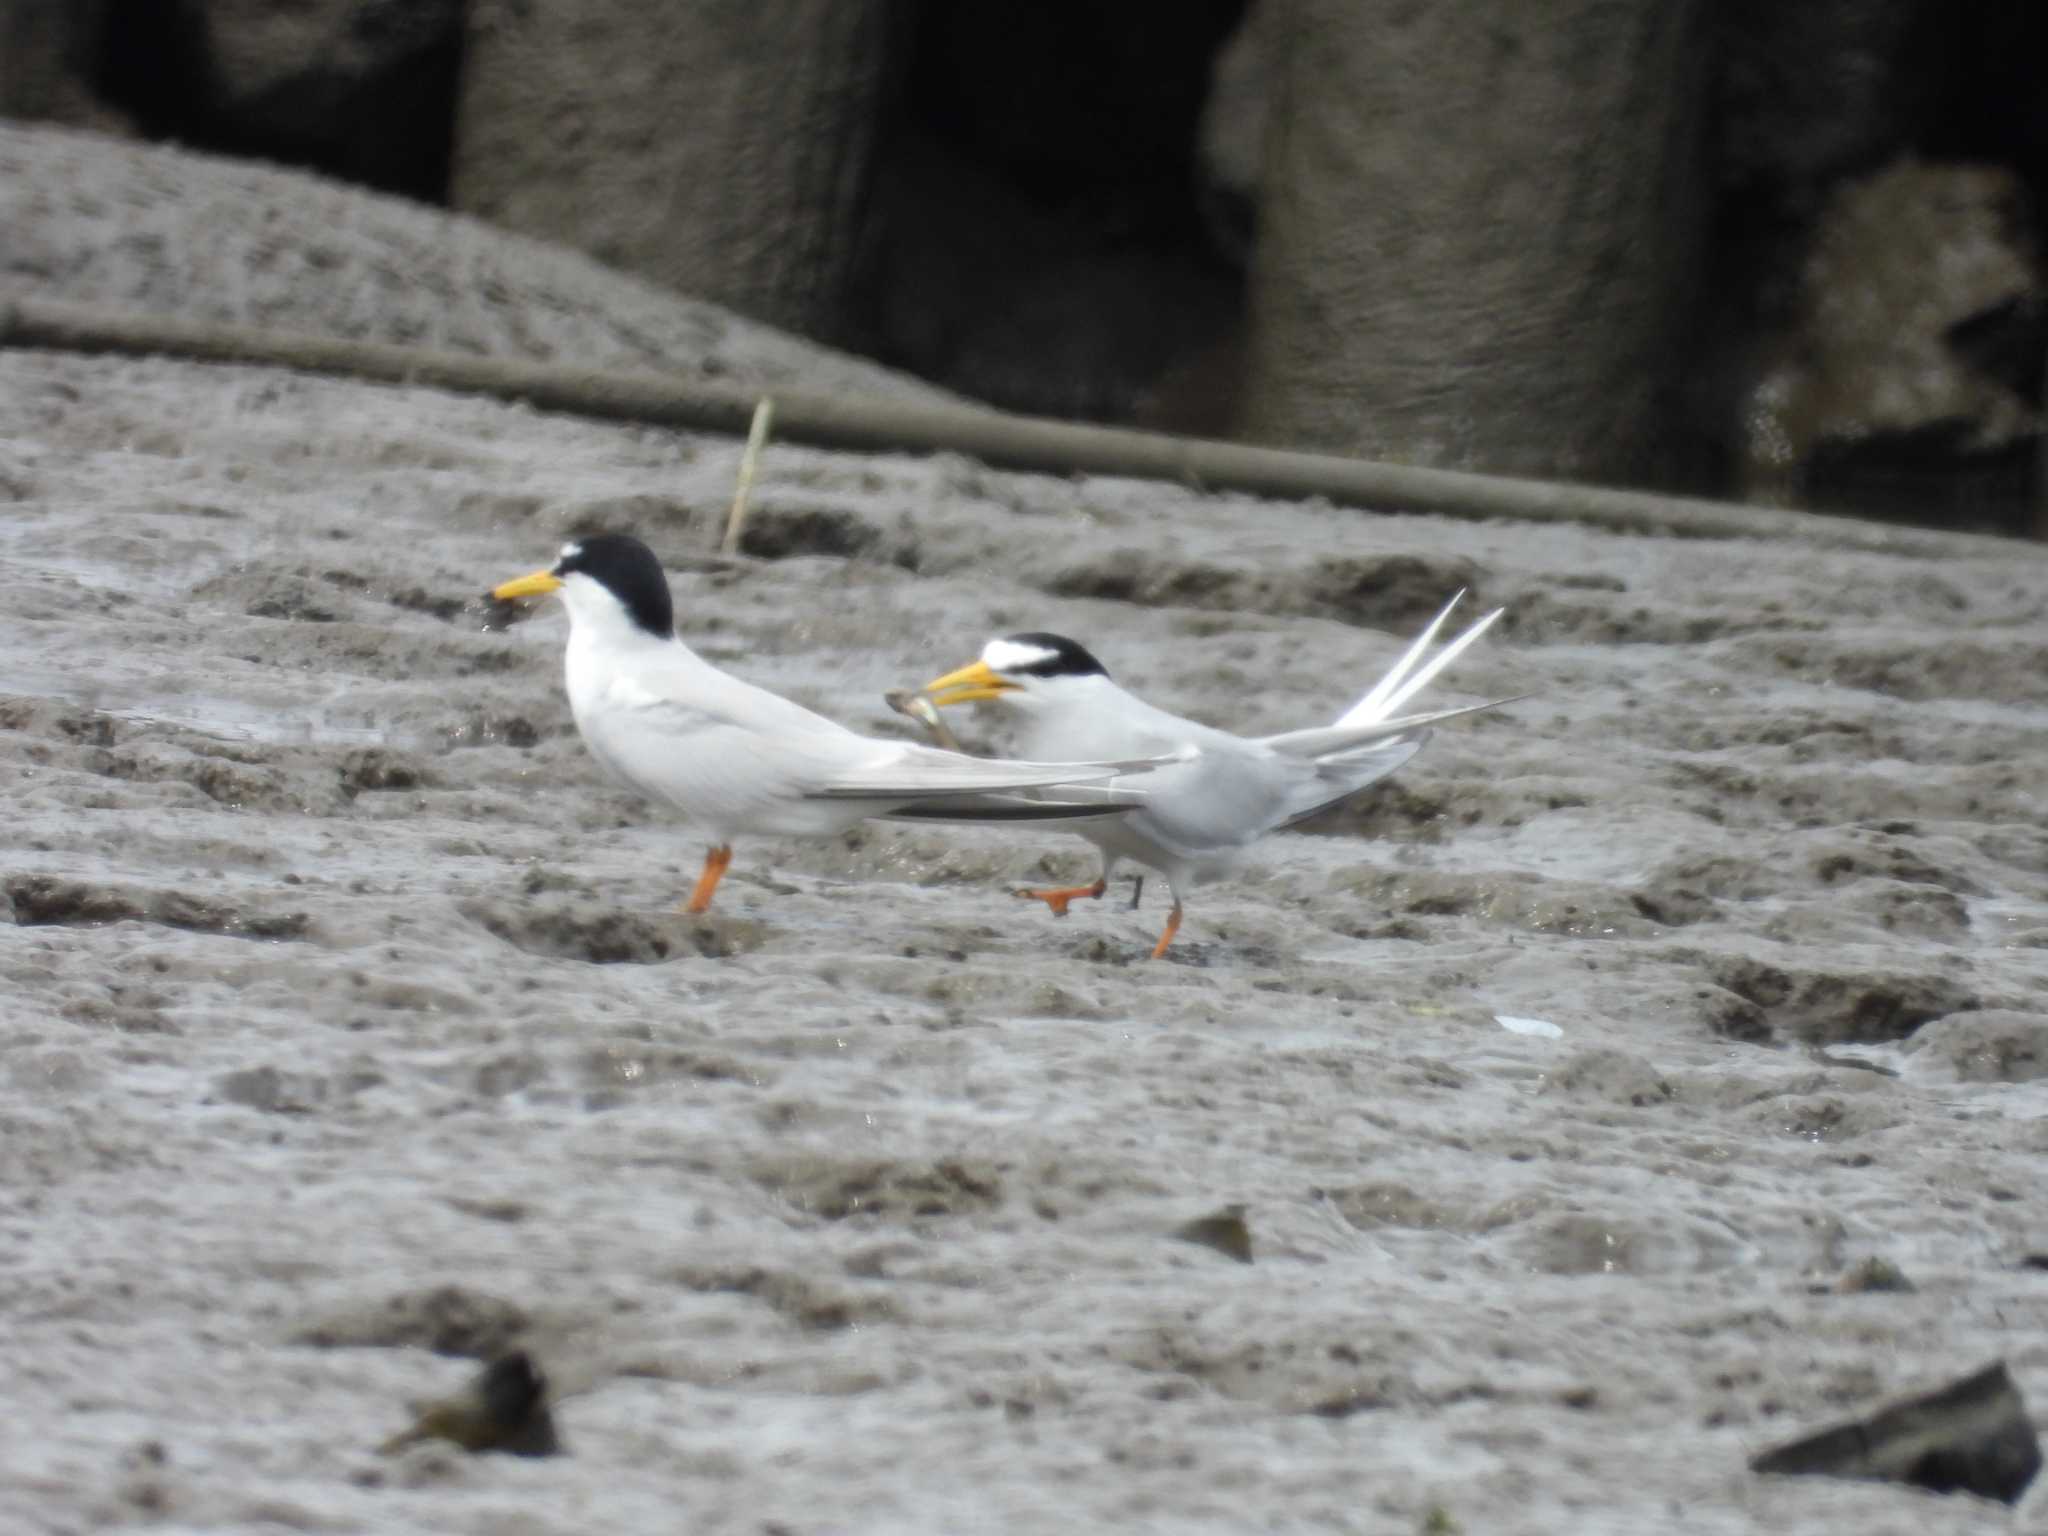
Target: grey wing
{"points": [[1339, 778], [1225, 798], [1230, 798], [704, 764]]}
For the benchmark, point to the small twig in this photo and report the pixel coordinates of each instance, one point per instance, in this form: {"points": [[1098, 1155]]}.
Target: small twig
{"points": [[757, 437], [907, 701]]}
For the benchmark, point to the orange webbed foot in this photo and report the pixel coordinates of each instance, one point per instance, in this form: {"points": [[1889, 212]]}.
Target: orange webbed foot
{"points": [[1059, 899]]}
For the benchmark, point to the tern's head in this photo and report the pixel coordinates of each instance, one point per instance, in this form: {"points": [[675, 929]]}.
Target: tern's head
{"points": [[1031, 670], [608, 581]]}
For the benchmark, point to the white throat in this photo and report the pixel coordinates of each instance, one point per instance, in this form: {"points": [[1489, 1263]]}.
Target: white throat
{"points": [[598, 618]]}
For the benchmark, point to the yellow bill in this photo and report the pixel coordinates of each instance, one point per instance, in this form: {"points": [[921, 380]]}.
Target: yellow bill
{"points": [[971, 682], [539, 584]]}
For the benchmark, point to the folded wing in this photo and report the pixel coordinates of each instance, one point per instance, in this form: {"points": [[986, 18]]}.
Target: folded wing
{"points": [[905, 771], [797, 777]]}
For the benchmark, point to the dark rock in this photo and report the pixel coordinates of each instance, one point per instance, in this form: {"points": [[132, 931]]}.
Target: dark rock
{"points": [[1230, 148], [1900, 397], [1875, 1274], [1812, 92], [504, 1409], [359, 88], [1584, 384], [1223, 1230], [722, 150], [1068, 277], [48, 58], [1972, 1436]]}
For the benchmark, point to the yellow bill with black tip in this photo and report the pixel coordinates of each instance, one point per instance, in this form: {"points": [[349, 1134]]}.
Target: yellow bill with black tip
{"points": [[539, 584], [971, 682]]}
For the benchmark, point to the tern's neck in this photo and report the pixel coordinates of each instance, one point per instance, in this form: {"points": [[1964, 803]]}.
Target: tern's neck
{"points": [[599, 621], [1086, 717], [621, 638], [604, 640], [597, 651], [1093, 696]]}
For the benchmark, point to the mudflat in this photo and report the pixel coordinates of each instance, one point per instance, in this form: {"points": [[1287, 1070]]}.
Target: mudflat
{"points": [[351, 1034]]}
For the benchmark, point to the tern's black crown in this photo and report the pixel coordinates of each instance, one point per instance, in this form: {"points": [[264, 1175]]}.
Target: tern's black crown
{"points": [[628, 570], [1063, 658]]}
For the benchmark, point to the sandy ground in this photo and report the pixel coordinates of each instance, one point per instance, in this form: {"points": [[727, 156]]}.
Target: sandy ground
{"points": [[348, 1018]]}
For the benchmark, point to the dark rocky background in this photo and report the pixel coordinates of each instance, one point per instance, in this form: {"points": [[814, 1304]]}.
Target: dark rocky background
{"points": [[1813, 276]]}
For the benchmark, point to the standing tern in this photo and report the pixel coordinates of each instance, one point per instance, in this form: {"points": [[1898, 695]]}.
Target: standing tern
{"points": [[1202, 812], [733, 758]]}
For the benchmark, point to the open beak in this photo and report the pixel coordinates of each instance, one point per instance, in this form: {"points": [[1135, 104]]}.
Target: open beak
{"points": [[539, 584], [971, 682]]}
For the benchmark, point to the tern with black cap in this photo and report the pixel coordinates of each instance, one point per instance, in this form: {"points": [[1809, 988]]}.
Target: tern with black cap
{"points": [[1224, 792], [734, 759]]}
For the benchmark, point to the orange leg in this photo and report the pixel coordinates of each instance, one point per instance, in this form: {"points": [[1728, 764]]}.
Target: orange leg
{"points": [[714, 869], [1058, 900], [1172, 927]]}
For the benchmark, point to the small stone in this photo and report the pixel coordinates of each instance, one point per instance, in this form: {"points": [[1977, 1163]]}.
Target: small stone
{"points": [[1223, 1230], [504, 1409], [1875, 1274], [1972, 1436]]}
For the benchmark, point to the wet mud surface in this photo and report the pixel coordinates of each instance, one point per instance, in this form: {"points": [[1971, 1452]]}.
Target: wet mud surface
{"points": [[351, 1033]]}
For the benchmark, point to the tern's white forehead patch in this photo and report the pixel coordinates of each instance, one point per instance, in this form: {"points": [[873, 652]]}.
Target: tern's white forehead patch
{"points": [[570, 551], [1015, 656]]}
